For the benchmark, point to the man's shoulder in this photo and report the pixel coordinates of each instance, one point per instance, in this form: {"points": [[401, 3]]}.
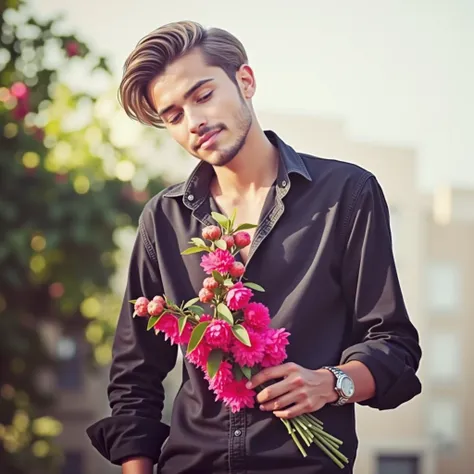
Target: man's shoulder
{"points": [[157, 204], [340, 175]]}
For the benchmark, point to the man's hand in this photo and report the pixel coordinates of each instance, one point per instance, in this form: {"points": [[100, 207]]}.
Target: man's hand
{"points": [[308, 390]]}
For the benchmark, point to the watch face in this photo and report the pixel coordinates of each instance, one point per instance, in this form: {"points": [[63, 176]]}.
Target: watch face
{"points": [[347, 387]]}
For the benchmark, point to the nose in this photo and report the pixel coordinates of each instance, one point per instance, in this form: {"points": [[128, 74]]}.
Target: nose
{"points": [[196, 122]]}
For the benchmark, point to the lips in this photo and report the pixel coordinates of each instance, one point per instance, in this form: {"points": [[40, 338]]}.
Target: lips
{"points": [[208, 139]]}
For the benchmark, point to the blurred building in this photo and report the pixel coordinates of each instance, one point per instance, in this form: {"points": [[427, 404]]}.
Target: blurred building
{"points": [[435, 256]]}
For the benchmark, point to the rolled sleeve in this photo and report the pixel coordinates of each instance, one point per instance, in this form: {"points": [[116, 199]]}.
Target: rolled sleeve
{"points": [[383, 338], [140, 362]]}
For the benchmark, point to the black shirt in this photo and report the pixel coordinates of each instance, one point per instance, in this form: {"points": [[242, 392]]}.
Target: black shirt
{"points": [[323, 253]]}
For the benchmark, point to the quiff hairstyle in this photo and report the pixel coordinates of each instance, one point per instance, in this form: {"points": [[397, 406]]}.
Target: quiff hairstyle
{"points": [[160, 48]]}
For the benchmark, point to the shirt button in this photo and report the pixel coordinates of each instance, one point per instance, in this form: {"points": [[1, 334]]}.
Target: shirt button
{"points": [[237, 433], [283, 183], [191, 197]]}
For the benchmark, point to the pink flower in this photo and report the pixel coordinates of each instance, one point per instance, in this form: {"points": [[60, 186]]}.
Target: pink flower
{"points": [[185, 335], [238, 296], [205, 317], [237, 269], [219, 260], [237, 396], [141, 306], [72, 49], [249, 355], [199, 355], [257, 315], [211, 232], [242, 239], [218, 334], [222, 379], [169, 325], [275, 342], [19, 90]]}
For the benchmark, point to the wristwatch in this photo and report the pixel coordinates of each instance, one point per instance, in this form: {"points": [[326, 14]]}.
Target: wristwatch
{"points": [[344, 385]]}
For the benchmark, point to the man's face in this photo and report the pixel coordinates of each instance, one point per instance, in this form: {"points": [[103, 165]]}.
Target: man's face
{"points": [[204, 111]]}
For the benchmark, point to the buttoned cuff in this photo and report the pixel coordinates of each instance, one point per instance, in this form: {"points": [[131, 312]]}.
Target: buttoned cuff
{"points": [[395, 381], [124, 436]]}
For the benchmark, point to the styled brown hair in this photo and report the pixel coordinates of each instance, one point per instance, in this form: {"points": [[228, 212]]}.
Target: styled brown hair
{"points": [[163, 46]]}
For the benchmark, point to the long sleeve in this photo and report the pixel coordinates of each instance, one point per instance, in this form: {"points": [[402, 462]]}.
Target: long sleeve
{"points": [[141, 360], [383, 337]]}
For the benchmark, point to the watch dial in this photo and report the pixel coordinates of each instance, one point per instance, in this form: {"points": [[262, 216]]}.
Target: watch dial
{"points": [[347, 387]]}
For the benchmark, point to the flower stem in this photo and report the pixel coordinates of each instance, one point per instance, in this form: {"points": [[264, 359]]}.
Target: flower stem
{"points": [[329, 453], [297, 427], [295, 439]]}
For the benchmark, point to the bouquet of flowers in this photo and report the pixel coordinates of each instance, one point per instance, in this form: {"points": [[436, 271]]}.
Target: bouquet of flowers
{"points": [[236, 340]]}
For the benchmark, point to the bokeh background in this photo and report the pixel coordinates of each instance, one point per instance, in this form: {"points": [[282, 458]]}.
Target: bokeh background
{"points": [[386, 85]]}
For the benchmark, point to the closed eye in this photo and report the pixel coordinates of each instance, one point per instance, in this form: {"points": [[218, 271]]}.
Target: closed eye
{"points": [[205, 97]]}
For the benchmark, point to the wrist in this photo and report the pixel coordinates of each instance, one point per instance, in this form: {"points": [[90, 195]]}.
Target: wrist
{"points": [[328, 385]]}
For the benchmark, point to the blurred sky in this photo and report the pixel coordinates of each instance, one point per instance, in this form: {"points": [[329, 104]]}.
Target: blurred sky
{"points": [[396, 71]]}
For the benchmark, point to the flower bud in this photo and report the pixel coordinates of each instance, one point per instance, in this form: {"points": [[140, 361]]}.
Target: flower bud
{"points": [[155, 308], [210, 283], [242, 239], [205, 295], [211, 232], [229, 240], [159, 299], [141, 306], [237, 269]]}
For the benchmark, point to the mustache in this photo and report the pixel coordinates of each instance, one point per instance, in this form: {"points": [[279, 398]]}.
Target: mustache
{"points": [[202, 131]]}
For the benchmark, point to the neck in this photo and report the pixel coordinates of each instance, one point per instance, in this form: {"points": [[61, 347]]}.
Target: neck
{"points": [[253, 169]]}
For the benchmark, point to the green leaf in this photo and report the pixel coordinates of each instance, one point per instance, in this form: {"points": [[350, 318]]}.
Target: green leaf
{"points": [[190, 303], [192, 250], [217, 276], [221, 244], [237, 371], [152, 321], [245, 227], [254, 286], [228, 282], [134, 314], [181, 323], [198, 242], [241, 334], [232, 218], [220, 218], [225, 313], [132, 301], [214, 361], [196, 309], [247, 371], [197, 335]]}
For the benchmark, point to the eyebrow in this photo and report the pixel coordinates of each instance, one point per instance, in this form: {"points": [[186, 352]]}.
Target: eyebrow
{"points": [[186, 95]]}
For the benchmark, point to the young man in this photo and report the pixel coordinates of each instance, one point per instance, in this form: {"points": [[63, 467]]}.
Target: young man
{"points": [[322, 251]]}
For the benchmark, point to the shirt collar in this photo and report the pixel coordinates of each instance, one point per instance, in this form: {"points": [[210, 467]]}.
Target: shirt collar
{"points": [[196, 188]]}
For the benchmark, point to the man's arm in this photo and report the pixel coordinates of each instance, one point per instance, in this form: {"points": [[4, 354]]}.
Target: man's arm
{"points": [[384, 352], [141, 360], [383, 338]]}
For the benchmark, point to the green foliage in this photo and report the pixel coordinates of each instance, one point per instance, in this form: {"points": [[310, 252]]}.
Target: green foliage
{"points": [[65, 190]]}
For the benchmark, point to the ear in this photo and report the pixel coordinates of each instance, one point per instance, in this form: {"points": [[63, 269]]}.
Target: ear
{"points": [[246, 80]]}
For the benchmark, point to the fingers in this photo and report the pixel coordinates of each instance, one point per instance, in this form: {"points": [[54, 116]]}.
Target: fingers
{"points": [[282, 402], [292, 412], [273, 391], [270, 373]]}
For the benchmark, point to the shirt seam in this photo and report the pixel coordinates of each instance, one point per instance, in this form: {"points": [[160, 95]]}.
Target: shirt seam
{"points": [[146, 241], [355, 198]]}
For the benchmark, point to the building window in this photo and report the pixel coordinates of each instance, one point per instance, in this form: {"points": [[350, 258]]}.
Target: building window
{"points": [[444, 287], [444, 422], [73, 463], [70, 364], [398, 464], [444, 356]]}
